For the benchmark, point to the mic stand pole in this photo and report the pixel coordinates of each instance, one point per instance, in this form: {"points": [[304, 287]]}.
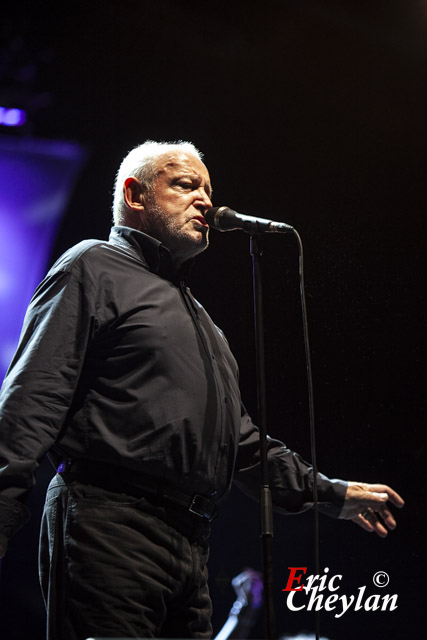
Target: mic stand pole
{"points": [[265, 496]]}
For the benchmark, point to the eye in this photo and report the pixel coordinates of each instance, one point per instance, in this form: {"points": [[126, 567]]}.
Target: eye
{"points": [[185, 184]]}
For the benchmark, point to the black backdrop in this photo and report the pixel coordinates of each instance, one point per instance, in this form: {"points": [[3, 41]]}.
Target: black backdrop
{"points": [[308, 111]]}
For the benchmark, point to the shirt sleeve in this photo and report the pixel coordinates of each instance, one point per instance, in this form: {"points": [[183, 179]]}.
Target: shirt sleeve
{"points": [[290, 477], [39, 386]]}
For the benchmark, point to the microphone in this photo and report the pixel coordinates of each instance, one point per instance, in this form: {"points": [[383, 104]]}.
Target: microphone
{"points": [[225, 219]]}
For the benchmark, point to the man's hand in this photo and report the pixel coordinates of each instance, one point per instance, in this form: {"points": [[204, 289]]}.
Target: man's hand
{"points": [[365, 504]]}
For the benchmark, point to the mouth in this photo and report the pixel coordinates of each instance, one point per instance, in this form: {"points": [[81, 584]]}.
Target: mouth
{"points": [[201, 220]]}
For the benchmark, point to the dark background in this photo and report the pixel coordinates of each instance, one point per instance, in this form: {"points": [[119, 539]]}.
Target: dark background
{"points": [[311, 112]]}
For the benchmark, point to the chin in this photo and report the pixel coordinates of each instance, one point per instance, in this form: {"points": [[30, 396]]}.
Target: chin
{"points": [[199, 245], [188, 246]]}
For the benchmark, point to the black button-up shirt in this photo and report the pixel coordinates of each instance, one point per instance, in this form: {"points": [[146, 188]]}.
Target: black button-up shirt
{"points": [[119, 363]]}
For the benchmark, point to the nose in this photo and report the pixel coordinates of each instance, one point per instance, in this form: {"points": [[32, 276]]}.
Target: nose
{"points": [[204, 199]]}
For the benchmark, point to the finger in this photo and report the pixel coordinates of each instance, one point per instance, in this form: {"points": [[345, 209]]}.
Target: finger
{"points": [[393, 496], [388, 518], [380, 529], [363, 522], [375, 499], [371, 522]]}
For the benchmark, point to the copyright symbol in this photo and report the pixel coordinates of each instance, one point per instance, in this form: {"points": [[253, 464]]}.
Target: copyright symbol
{"points": [[381, 579]]}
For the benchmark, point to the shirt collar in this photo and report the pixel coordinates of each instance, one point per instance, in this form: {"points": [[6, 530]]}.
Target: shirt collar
{"points": [[152, 252]]}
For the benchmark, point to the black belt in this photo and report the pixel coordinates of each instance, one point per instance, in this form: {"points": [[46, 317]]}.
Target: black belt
{"points": [[122, 480]]}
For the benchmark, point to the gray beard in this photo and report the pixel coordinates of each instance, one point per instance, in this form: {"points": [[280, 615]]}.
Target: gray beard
{"points": [[165, 229]]}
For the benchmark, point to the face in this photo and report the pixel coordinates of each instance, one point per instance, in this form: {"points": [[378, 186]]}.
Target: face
{"points": [[174, 208]]}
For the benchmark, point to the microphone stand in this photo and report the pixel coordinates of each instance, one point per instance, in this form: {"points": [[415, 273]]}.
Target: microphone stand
{"points": [[265, 496]]}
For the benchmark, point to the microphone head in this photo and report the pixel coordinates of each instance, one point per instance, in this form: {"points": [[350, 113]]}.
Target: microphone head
{"points": [[221, 218]]}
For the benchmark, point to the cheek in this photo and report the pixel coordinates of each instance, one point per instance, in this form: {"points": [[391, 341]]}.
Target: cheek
{"points": [[176, 208], [173, 204]]}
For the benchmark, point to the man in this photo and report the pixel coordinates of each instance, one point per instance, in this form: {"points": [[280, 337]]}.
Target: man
{"points": [[123, 377]]}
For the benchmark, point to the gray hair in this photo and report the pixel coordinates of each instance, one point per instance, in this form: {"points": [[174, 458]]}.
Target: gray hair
{"points": [[141, 163]]}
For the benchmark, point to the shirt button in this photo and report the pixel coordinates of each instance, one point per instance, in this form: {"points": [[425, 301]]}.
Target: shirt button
{"points": [[213, 493], [213, 357], [225, 399]]}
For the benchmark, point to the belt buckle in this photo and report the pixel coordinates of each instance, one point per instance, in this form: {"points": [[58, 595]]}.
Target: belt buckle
{"points": [[203, 507]]}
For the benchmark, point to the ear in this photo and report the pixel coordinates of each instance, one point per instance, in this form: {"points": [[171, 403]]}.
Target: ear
{"points": [[133, 194]]}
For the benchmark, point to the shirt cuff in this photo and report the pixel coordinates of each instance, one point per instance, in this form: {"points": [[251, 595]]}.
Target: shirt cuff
{"points": [[331, 495]]}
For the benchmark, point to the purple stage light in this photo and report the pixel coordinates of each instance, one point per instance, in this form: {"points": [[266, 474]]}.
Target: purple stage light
{"points": [[12, 117], [36, 181]]}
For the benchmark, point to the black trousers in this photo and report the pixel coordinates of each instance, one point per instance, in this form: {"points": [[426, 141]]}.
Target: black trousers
{"points": [[116, 565]]}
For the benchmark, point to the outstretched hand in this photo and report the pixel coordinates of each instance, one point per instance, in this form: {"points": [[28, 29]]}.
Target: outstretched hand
{"points": [[366, 505]]}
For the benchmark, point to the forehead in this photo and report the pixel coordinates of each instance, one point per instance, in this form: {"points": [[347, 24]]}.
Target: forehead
{"points": [[181, 162]]}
